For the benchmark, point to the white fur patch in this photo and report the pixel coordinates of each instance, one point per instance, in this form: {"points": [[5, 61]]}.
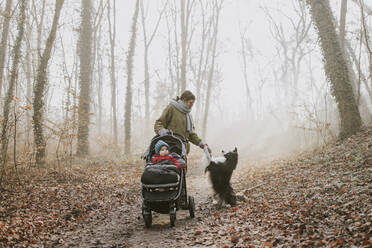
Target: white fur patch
{"points": [[207, 159], [205, 162], [219, 160]]}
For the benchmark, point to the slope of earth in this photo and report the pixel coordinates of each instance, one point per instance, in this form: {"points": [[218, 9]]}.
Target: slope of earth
{"points": [[319, 199]]}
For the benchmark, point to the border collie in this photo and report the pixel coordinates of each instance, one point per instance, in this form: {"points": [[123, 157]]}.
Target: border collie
{"points": [[220, 172]]}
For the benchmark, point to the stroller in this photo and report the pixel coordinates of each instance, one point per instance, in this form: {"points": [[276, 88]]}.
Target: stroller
{"points": [[162, 196]]}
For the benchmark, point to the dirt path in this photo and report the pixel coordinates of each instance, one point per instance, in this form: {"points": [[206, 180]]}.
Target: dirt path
{"points": [[124, 226], [317, 199], [161, 234]]}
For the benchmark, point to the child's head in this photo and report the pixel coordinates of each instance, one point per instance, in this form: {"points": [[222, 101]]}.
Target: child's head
{"points": [[163, 151], [161, 148]]}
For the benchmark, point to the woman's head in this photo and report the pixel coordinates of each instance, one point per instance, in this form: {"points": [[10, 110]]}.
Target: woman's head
{"points": [[188, 98]]}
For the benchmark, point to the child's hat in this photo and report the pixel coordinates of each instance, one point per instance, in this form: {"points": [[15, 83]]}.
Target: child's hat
{"points": [[159, 145]]}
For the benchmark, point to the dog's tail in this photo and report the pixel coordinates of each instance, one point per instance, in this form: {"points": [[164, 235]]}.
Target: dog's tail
{"points": [[206, 159]]}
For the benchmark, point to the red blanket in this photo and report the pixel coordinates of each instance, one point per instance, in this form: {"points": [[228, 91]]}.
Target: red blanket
{"points": [[158, 158]]}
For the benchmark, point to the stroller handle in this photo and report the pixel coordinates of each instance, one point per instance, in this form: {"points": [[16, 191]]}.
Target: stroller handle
{"points": [[179, 135]]}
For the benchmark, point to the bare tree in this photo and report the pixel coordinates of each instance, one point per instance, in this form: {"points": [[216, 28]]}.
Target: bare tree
{"points": [[97, 64], [112, 37], [39, 20], [292, 48], [4, 40], [174, 82], [99, 76], [246, 53], [356, 61], [186, 9], [217, 11], [173, 47], [349, 53], [366, 37], [39, 89], [13, 79], [335, 67], [200, 69], [343, 23], [147, 40], [29, 73], [128, 99], [85, 54]]}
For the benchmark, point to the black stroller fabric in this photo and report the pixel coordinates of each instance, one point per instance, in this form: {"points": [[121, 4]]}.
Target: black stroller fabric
{"points": [[160, 174]]}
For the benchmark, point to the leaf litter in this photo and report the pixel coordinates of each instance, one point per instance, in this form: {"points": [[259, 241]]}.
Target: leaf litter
{"points": [[321, 198]]}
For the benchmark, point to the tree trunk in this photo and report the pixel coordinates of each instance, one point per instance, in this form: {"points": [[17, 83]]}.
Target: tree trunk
{"points": [[99, 56], [336, 67], [97, 65], [357, 64], [249, 110], [40, 85], [366, 38], [13, 78], [186, 7], [112, 36], [146, 68], [40, 30], [206, 26], [147, 40], [342, 23], [128, 102], [355, 83], [211, 69], [85, 54], [29, 75], [183, 46], [4, 41]]}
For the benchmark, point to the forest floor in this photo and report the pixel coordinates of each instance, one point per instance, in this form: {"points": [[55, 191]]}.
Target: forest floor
{"points": [[321, 198]]}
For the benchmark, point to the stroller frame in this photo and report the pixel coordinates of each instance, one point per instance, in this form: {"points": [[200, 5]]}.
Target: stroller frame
{"points": [[170, 197]]}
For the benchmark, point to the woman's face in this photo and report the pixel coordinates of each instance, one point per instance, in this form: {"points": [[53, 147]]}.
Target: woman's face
{"points": [[190, 103]]}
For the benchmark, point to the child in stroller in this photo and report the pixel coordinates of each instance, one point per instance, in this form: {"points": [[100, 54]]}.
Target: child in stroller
{"points": [[162, 154], [164, 180]]}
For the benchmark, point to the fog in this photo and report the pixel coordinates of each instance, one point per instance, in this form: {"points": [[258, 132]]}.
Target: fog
{"points": [[291, 105]]}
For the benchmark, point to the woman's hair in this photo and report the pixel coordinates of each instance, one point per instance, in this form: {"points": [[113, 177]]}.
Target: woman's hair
{"points": [[187, 96]]}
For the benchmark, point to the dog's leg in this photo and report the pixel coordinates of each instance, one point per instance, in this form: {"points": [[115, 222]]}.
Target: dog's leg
{"points": [[230, 196], [221, 203], [215, 199]]}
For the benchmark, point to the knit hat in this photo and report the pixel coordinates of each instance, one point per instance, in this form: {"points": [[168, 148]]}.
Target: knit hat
{"points": [[159, 145]]}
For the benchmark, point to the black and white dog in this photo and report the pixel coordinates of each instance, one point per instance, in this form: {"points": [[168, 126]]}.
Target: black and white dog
{"points": [[220, 172]]}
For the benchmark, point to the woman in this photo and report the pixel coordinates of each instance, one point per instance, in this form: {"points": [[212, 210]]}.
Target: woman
{"points": [[176, 117]]}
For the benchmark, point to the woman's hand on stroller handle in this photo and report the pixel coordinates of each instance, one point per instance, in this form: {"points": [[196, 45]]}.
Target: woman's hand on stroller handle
{"points": [[163, 132]]}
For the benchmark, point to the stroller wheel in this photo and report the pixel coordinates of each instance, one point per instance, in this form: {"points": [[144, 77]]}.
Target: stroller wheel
{"points": [[172, 216], [191, 206], [148, 219], [147, 216]]}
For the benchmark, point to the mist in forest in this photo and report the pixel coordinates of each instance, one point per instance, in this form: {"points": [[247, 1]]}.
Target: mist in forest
{"points": [[255, 67]]}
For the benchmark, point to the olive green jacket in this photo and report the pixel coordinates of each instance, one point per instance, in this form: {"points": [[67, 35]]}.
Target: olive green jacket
{"points": [[174, 120]]}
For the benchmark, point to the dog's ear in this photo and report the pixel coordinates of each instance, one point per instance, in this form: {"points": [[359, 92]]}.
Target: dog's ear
{"points": [[223, 152], [236, 149]]}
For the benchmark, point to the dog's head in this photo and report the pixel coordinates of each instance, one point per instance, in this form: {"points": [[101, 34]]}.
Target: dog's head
{"points": [[232, 155]]}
